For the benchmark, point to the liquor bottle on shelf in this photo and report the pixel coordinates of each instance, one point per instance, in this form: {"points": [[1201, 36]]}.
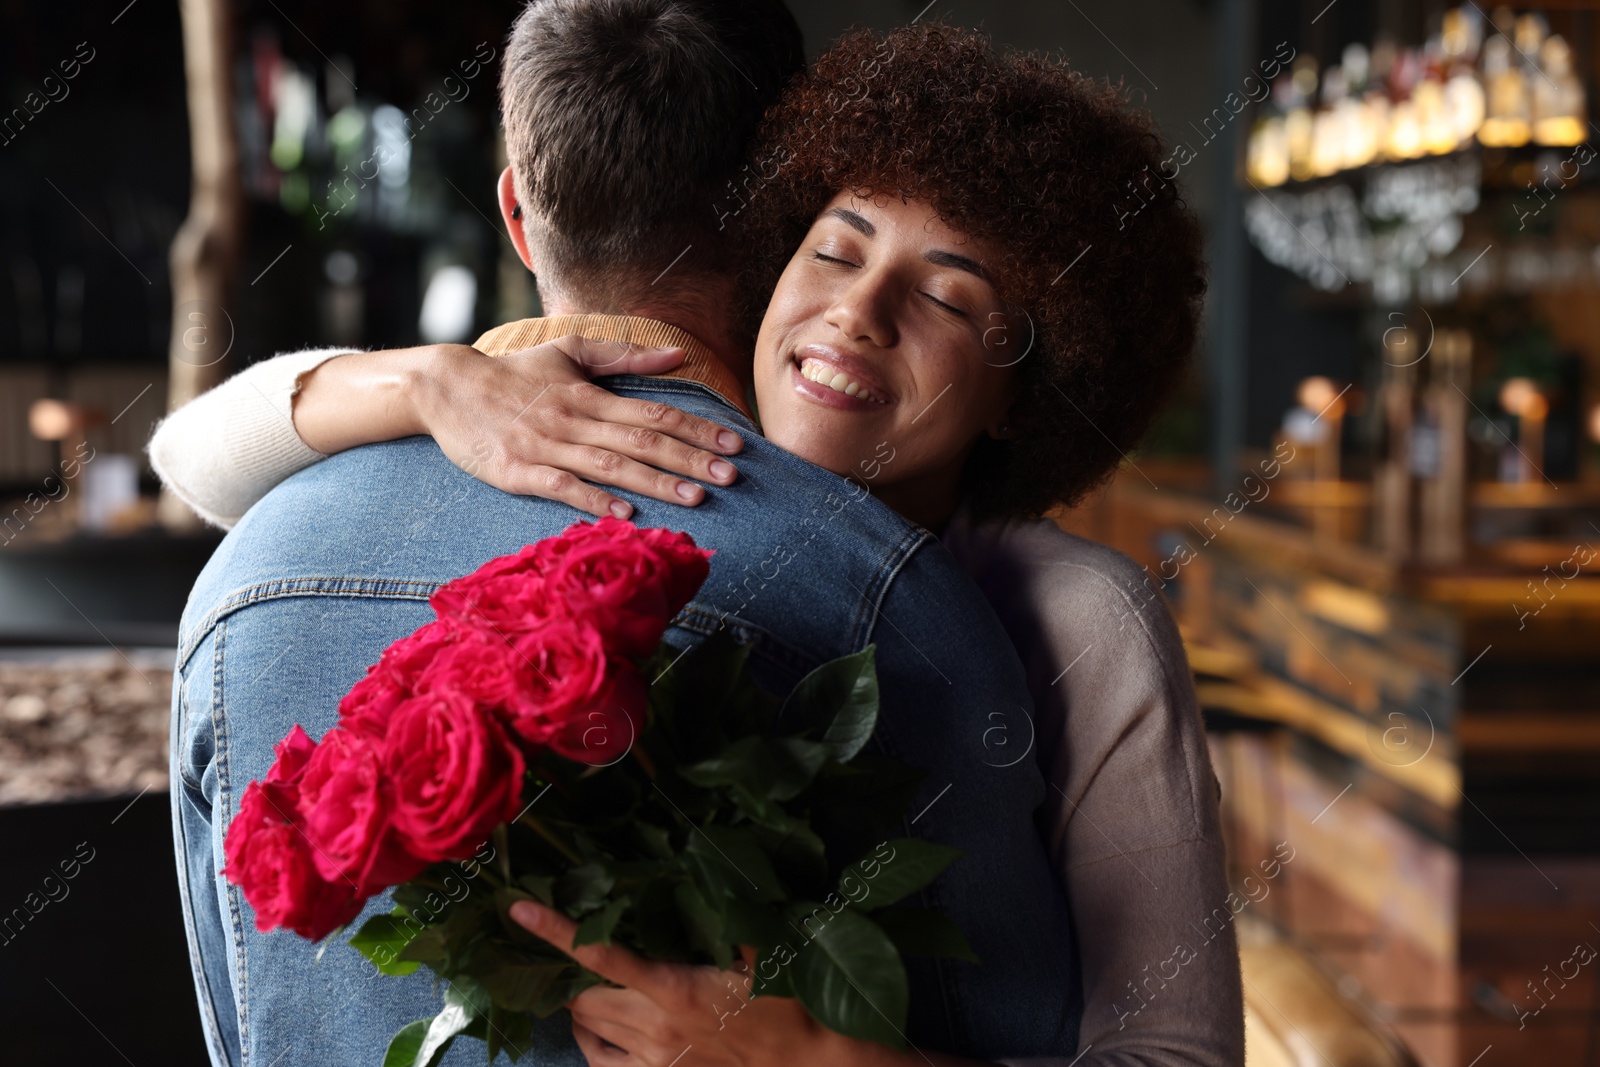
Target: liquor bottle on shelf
{"points": [[1506, 123], [1560, 112], [1298, 120], [1460, 39]]}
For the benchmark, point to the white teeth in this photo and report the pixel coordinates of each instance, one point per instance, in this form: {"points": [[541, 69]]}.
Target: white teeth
{"points": [[817, 371]]}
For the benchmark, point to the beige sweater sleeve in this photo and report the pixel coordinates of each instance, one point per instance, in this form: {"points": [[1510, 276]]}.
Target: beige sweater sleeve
{"points": [[1131, 821], [227, 448]]}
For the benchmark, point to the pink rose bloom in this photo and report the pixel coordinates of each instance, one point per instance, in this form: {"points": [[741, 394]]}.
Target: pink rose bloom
{"points": [[628, 582], [504, 596], [370, 702], [269, 858], [346, 810], [454, 773], [603, 734], [483, 666], [562, 671]]}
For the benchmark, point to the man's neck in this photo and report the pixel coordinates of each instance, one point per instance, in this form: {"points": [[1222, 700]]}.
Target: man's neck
{"points": [[710, 325]]}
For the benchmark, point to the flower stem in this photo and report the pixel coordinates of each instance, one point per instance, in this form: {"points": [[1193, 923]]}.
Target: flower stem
{"points": [[543, 831], [645, 763]]}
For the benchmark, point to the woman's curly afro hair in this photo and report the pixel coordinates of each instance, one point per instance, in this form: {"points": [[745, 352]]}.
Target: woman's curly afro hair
{"points": [[1100, 251]]}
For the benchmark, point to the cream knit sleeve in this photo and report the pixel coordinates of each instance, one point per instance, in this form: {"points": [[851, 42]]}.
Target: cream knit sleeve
{"points": [[227, 448]]}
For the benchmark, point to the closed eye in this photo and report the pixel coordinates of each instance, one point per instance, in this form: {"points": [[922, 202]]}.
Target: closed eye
{"points": [[831, 259], [947, 307]]}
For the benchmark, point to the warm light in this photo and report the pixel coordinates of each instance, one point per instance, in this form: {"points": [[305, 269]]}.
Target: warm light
{"points": [[1464, 106], [52, 420], [1371, 123], [1594, 424], [1297, 131], [1268, 160], [1405, 134], [1317, 393], [1506, 123], [1522, 398], [1559, 109], [1327, 146], [1433, 120]]}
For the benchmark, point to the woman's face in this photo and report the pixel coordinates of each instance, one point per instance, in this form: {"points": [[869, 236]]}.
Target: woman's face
{"points": [[882, 353]]}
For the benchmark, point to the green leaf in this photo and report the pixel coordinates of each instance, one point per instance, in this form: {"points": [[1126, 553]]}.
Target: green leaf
{"points": [[774, 768], [894, 870], [456, 1016], [583, 889], [799, 856], [382, 938], [729, 863], [511, 1031], [521, 980], [597, 928], [656, 924], [541, 886], [750, 923], [851, 980], [924, 932], [703, 923], [655, 840], [840, 700], [404, 1045]]}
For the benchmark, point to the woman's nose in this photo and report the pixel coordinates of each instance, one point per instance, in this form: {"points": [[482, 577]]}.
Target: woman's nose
{"points": [[862, 312]]}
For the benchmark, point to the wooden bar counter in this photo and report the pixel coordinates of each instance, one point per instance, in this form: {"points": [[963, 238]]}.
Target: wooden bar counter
{"points": [[1427, 740]]}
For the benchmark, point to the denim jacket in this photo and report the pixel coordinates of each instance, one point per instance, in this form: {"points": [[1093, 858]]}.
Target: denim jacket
{"points": [[338, 561]]}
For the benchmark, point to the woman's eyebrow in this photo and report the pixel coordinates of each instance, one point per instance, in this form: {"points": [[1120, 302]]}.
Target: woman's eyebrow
{"points": [[855, 221], [940, 258]]}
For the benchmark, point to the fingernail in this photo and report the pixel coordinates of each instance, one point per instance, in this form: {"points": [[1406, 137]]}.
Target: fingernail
{"points": [[621, 510], [688, 490], [727, 440], [527, 913], [721, 470]]}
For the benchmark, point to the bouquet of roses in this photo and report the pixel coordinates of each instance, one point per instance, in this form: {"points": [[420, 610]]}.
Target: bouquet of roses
{"points": [[513, 749]]}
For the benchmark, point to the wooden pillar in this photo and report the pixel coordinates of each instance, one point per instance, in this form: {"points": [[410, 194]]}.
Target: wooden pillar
{"points": [[1442, 539], [205, 253], [1227, 330]]}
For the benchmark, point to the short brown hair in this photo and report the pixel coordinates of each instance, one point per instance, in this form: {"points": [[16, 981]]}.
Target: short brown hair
{"points": [[625, 118], [1051, 165]]}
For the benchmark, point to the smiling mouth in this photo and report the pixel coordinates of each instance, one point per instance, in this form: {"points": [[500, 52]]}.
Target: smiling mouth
{"points": [[825, 374]]}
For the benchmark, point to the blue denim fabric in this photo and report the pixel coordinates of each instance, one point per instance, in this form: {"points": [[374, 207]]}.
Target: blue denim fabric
{"points": [[339, 560]]}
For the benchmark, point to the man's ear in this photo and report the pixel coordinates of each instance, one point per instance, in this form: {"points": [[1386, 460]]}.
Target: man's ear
{"points": [[514, 218]]}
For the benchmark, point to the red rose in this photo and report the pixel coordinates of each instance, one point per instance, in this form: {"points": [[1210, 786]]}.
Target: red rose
{"points": [[370, 702], [480, 665], [628, 582], [454, 773], [562, 672], [293, 753], [346, 813], [270, 860], [684, 565], [603, 734], [505, 595]]}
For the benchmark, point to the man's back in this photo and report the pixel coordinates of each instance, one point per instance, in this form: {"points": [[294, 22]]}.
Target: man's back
{"points": [[339, 561]]}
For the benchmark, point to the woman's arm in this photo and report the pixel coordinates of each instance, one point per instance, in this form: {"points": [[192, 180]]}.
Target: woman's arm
{"points": [[1131, 815], [529, 422], [228, 447]]}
